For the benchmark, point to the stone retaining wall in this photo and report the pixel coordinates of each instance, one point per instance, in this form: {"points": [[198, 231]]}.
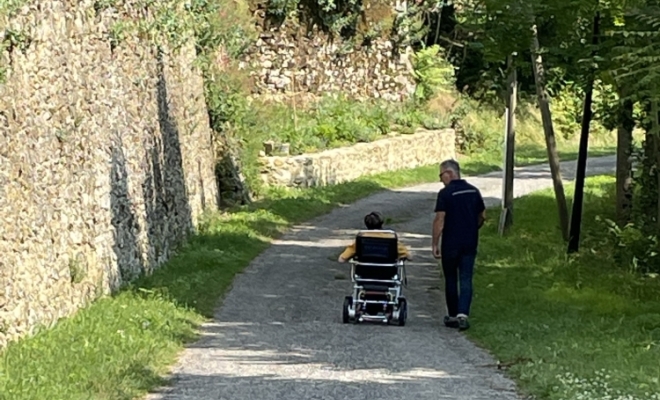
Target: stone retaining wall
{"points": [[345, 164], [105, 161], [312, 65]]}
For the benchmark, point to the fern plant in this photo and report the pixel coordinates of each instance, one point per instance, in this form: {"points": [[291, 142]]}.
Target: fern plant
{"points": [[432, 72]]}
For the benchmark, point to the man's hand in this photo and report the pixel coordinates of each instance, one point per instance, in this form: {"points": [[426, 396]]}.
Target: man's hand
{"points": [[482, 218], [436, 252]]}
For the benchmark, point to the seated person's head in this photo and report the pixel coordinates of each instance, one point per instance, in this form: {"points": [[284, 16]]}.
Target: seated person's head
{"points": [[374, 221]]}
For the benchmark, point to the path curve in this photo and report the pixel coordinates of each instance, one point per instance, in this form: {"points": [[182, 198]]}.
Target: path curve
{"points": [[278, 333]]}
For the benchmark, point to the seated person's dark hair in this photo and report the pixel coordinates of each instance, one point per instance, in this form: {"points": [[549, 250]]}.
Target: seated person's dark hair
{"points": [[374, 221]]}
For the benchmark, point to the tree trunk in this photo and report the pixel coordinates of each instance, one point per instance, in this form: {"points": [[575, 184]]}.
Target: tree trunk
{"points": [[646, 201], [655, 131], [576, 215], [509, 160], [551, 144], [625, 127]]}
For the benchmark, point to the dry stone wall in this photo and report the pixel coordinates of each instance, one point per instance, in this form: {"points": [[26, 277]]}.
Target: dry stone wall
{"points": [[286, 63], [105, 161], [345, 164]]}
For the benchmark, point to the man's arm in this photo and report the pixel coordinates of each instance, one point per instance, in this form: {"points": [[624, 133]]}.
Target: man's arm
{"points": [[347, 253], [438, 225], [404, 252], [481, 209], [438, 222]]}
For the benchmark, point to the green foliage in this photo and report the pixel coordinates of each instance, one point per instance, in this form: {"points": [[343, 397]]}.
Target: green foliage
{"points": [[339, 18], [118, 33], [213, 30], [479, 126], [168, 24], [567, 107], [470, 135], [12, 40], [566, 319], [329, 122], [77, 270], [357, 22], [432, 72], [567, 110], [101, 5], [409, 27], [637, 56], [8, 8], [635, 245], [225, 98], [632, 247]]}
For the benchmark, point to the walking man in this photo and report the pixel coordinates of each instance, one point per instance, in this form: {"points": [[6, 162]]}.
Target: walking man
{"points": [[459, 214]]}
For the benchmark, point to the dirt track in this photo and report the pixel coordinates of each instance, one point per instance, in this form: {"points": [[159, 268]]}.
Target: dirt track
{"points": [[278, 333]]}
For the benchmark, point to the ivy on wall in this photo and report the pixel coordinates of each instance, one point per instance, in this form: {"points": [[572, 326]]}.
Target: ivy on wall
{"points": [[354, 21]]}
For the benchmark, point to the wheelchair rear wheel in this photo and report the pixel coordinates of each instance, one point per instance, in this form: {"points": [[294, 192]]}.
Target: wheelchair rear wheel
{"points": [[403, 312], [348, 301]]}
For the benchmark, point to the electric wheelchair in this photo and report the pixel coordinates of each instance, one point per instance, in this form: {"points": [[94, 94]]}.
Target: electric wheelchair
{"points": [[378, 276]]}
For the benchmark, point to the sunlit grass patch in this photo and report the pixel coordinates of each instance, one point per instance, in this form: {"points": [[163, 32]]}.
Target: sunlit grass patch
{"points": [[581, 327]]}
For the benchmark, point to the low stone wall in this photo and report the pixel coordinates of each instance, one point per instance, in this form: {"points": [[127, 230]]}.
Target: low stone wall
{"points": [[345, 164], [106, 160]]}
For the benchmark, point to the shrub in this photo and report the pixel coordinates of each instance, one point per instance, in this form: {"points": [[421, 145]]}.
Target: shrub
{"points": [[432, 72], [632, 248]]}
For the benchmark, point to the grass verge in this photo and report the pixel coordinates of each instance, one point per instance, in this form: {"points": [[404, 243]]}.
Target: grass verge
{"points": [[577, 328], [118, 347]]}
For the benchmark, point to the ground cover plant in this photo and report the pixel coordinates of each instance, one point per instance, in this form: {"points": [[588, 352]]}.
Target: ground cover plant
{"points": [[584, 327], [336, 121]]}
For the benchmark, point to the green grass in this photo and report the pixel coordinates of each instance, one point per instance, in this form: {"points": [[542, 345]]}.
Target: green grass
{"points": [[583, 323], [529, 154], [119, 346]]}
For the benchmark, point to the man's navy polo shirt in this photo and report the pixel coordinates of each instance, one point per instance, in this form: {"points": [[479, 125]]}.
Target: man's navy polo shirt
{"points": [[462, 204]]}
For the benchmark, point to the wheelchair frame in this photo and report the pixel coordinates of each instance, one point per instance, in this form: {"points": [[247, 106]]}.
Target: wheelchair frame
{"points": [[394, 306]]}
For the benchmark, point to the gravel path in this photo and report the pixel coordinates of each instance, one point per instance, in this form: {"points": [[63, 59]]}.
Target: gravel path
{"points": [[278, 333]]}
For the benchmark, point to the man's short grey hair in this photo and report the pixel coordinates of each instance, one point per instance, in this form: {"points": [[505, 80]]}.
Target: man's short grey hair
{"points": [[451, 165]]}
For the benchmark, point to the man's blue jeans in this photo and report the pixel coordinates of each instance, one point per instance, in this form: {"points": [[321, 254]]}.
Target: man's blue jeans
{"points": [[458, 270]]}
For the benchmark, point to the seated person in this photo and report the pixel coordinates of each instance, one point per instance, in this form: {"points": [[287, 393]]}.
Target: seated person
{"points": [[373, 221]]}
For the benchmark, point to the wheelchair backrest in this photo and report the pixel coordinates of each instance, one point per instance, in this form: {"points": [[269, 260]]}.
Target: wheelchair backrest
{"points": [[377, 246]]}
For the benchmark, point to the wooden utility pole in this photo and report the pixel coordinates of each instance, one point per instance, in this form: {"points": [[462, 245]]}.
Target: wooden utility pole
{"points": [[509, 159], [578, 197], [548, 129]]}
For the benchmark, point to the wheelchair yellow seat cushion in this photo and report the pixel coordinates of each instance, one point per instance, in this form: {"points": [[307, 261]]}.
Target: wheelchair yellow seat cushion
{"points": [[350, 249]]}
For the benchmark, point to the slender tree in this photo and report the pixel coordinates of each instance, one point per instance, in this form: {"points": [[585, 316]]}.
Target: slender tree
{"points": [[551, 143], [576, 216]]}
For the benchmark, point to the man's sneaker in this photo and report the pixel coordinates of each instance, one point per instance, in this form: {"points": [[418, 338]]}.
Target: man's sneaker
{"points": [[463, 323], [450, 322]]}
